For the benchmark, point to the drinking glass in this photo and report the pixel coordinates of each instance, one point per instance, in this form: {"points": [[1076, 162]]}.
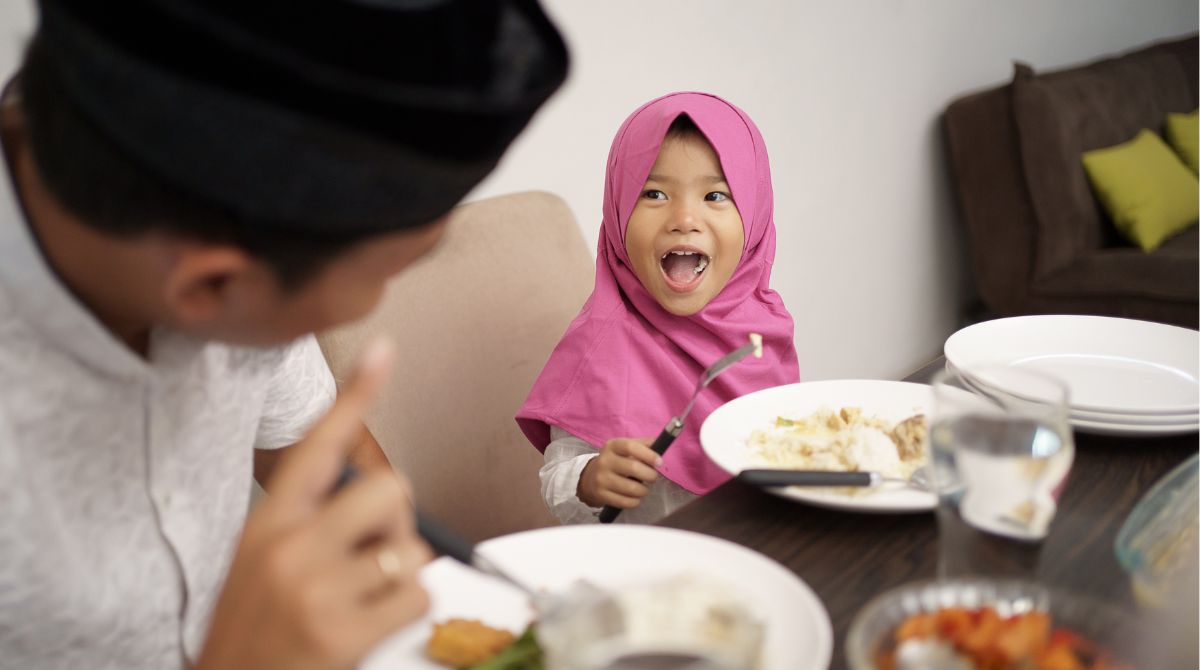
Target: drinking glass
{"points": [[1002, 449], [675, 624]]}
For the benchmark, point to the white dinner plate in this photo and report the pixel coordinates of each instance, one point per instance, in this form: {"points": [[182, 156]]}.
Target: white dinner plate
{"points": [[724, 433], [799, 635], [1092, 427], [1119, 366], [1132, 430], [1184, 421], [1136, 419]]}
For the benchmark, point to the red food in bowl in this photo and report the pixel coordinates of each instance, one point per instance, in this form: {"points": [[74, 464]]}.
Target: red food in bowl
{"points": [[994, 642]]}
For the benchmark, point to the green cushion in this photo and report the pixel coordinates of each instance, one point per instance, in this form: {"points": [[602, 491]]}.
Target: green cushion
{"points": [[1148, 192], [1183, 133]]}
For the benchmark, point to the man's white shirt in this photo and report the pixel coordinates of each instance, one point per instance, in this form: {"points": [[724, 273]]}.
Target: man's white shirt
{"points": [[124, 482]]}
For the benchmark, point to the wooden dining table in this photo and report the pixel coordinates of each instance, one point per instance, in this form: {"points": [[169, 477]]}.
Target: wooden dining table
{"points": [[849, 558]]}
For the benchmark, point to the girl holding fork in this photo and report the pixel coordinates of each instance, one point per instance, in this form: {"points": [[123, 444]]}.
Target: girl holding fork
{"points": [[682, 277]]}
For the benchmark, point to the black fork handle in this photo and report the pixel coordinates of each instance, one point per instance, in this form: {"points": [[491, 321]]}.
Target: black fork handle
{"points": [[664, 440], [771, 478]]}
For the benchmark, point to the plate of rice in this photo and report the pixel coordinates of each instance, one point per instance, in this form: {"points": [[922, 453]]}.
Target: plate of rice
{"points": [[845, 425]]}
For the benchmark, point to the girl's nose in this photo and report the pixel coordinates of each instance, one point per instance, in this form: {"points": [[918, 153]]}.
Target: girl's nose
{"points": [[684, 220]]}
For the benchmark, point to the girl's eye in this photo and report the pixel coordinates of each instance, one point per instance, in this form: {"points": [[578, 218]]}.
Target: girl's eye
{"points": [[717, 196], [654, 194]]}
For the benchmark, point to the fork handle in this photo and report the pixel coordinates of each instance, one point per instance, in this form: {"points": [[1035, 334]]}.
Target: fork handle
{"points": [[664, 440], [757, 477], [444, 541]]}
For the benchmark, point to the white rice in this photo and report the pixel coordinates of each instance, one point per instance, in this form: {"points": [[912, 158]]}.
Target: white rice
{"points": [[826, 440]]}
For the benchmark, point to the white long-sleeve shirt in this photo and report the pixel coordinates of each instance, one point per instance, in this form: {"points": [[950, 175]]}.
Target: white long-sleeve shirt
{"points": [[567, 456], [124, 481]]}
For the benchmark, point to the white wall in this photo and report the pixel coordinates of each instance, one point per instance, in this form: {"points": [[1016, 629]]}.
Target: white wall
{"points": [[16, 23], [847, 94]]}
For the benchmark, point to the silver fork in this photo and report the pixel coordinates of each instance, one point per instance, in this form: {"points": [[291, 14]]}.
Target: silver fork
{"points": [[675, 426]]}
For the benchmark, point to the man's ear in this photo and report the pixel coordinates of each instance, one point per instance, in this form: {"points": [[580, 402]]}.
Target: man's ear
{"points": [[197, 285]]}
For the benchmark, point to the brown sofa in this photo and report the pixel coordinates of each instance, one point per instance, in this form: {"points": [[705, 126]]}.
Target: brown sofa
{"points": [[1038, 239]]}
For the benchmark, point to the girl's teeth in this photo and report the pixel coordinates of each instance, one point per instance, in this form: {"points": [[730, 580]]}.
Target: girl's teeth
{"points": [[700, 265]]}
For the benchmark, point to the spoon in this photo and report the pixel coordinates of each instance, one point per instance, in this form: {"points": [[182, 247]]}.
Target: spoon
{"points": [[780, 477], [446, 542]]}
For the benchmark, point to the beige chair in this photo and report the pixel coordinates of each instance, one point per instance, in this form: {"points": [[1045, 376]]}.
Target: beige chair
{"points": [[474, 322]]}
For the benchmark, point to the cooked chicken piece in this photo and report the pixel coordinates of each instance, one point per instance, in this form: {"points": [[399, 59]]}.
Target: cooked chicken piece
{"points": [[833, 422], [910, 436], [850, 414], [460, 643]]}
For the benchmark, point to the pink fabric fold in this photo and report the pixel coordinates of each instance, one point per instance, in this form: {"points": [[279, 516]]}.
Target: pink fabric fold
{"points": [[625, 366]]}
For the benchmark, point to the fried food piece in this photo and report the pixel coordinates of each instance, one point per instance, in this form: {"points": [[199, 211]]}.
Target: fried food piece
{"points": [[463, 642], [909, 436], [917, 626], [1024, 636]]}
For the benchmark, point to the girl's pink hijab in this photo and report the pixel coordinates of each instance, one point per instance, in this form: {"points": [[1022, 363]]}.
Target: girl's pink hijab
{"points": [[625, 365]]}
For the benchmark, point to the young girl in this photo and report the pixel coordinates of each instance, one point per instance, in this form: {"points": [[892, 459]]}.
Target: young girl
{"points": [[682, 277]]}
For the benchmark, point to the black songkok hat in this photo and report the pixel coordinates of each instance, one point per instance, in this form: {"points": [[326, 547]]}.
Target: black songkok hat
{"points": [[328, 116]]}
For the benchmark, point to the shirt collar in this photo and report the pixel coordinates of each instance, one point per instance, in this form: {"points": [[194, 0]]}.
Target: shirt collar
{"points": [[41, 299]]}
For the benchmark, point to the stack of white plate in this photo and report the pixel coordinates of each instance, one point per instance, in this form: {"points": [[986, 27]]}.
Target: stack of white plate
{"points": [[1125, 377]]}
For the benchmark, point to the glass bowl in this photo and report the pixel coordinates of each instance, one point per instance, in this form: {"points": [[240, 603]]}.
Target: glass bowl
{"points": [[1157, 543], [874, 625]]}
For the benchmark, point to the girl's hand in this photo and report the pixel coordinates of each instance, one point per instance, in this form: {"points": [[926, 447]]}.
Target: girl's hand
{"points": [[621, 475], [319, 580]]}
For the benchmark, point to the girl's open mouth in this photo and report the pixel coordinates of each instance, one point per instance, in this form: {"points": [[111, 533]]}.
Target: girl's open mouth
{"points": [[683, 269]]}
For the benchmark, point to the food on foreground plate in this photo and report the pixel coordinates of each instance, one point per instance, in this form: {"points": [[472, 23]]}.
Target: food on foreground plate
{"points": [[690, 620], [956, 638], [845, 440], [685, 618], [466, 642], [523, 654]]}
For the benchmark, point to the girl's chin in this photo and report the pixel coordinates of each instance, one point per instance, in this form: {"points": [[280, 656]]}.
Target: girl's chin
{"points": [[681, 304]]}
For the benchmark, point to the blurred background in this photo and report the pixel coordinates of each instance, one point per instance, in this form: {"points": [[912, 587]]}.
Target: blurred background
{"points": [[848, 95]]}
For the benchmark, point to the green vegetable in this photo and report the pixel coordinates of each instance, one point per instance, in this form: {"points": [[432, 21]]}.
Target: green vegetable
{"points": [[781, 422], [523, 654]]}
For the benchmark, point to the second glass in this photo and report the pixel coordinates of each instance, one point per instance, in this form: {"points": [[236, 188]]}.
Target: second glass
{"points": [[1002, 448]]}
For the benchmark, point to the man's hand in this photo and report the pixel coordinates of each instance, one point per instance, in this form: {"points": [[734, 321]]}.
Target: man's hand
{"points": [[621, 475], [318, 581], [366, 454]]}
